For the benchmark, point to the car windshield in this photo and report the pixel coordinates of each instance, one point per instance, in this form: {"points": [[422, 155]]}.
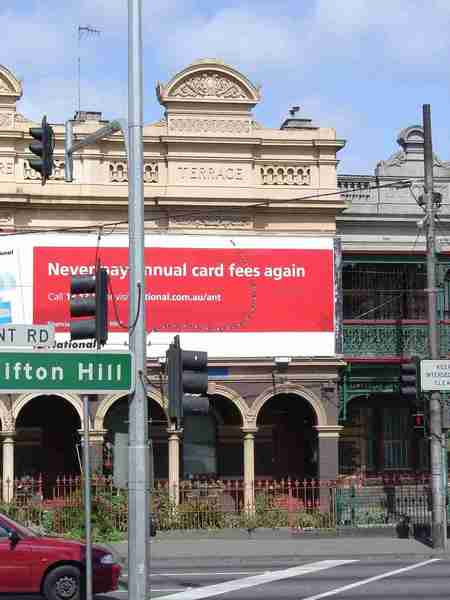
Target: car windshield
{"points": [[21, 529]]}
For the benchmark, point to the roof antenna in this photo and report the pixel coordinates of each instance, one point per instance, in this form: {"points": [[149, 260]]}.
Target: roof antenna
{"points": [[83, 31]]}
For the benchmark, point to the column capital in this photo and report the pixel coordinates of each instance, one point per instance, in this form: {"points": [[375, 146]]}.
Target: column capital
{"points": [[328, 431], [174, 431], [251, 430], [94, 434], [8, 434]]}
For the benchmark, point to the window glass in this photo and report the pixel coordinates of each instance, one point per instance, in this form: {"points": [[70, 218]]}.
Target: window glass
{"points": [[3, 532], [396, 438], [375, 291]]}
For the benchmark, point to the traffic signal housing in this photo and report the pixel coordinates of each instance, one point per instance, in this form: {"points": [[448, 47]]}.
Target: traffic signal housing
{"points": [[89, 306], [187, 374], [410, 380], [42, 147]]}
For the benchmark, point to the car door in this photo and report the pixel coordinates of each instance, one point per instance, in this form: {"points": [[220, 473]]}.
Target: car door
{"points": [[15, 563]]}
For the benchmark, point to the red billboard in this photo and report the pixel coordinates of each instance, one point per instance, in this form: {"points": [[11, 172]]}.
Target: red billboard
{"points": [[198, 289]]}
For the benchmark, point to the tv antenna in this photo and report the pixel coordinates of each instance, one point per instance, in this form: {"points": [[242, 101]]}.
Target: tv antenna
{"points": [[83, 32]]}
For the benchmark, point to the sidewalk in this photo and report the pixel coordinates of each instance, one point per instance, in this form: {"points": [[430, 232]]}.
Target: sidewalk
{"points": [[277, 545]]}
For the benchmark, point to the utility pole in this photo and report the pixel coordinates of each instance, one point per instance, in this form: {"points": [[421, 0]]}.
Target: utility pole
{"points": [[438, 524], [138, 454]]}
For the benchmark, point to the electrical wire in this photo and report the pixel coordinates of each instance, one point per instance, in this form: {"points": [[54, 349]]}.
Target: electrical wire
{"points": [[401, 182], [192, 211]]}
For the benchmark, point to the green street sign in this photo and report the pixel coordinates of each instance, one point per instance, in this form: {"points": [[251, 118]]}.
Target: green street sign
{"points": [[81, 372]]}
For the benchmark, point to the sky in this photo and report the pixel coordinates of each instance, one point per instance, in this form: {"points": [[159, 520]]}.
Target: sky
{"points": [[364, 68]]}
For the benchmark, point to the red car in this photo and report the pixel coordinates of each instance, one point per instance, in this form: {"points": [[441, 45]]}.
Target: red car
{"points": [[31, 563]]}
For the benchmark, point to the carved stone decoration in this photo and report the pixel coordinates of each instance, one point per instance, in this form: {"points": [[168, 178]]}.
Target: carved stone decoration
{"points": [[58, 170], [19, 118], [212, 126], [285, 175], [396, 160], [7, 413], [6, 167], [118, 172], [437, 162], [29, 173], [151, 172], [208, 85], [216, 222], [6, 120]]}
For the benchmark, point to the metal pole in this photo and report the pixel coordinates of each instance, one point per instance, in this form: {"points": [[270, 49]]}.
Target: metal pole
{"points": [[138, 455], [70, 146], [438, 532], [68, 156], [87, 497]]}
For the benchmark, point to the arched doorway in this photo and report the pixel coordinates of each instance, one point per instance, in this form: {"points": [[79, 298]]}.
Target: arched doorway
{"points": [[286, 443], [116, 421], [212, 443], [47, 440]]}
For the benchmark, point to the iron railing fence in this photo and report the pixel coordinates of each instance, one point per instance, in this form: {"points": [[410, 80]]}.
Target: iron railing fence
{"points": [[219, 503]]}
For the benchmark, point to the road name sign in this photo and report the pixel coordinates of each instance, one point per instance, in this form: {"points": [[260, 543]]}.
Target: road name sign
{"points": [[80, 372], [27, 335], [435, 375]]}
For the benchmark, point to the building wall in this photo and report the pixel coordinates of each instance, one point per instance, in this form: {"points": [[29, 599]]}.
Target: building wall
{"points": [[209, 168]]}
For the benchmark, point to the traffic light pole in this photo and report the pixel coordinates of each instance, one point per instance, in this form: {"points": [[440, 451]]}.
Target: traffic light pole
{"points": [[70, 146], [438, 525], [138, 455]]}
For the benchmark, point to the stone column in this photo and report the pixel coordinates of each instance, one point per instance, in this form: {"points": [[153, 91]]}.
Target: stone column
{"points": [[8, 464], [174, 463], [328, 460], [249, 469]]}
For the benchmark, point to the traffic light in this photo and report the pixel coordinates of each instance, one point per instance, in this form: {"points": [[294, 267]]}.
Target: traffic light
{"points": [[187, 374], [419, 420], [42, 147], [89, 298], [410, 380]]}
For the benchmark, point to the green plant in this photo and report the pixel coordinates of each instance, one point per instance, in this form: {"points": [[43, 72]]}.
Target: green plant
{"points": [[306, 519]]}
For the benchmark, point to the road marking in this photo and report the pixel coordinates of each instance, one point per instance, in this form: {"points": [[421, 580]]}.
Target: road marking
{"points": [[206, 573], [246, 582], [370, 579], [124, 576]]}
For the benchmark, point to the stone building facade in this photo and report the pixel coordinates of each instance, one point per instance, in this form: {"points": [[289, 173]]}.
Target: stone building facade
{"points": [[209, 169]]}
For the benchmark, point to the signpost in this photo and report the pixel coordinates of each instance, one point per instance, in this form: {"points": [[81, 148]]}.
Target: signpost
{"points": [[80, 372], [27, 335], [435, 375]]}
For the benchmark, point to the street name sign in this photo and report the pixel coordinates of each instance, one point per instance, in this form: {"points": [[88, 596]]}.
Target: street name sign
{"points": [[435, 375], [27, 335], [80, 372]]}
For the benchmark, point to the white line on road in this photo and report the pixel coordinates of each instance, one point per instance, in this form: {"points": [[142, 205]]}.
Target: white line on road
{"points": [[206, 573], [246, 582], [370, 579], [124, 576]]}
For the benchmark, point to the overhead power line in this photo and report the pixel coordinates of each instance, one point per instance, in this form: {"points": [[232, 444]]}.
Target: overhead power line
{"points": [[189, 212]]}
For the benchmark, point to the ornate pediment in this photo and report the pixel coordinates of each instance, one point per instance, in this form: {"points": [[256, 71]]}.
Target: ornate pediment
{"points": [[208, 85], [9, 85], [409, 161], [211, 81]]}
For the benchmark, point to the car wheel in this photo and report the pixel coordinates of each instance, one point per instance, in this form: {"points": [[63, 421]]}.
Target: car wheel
{"points": [[63, 583]]}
